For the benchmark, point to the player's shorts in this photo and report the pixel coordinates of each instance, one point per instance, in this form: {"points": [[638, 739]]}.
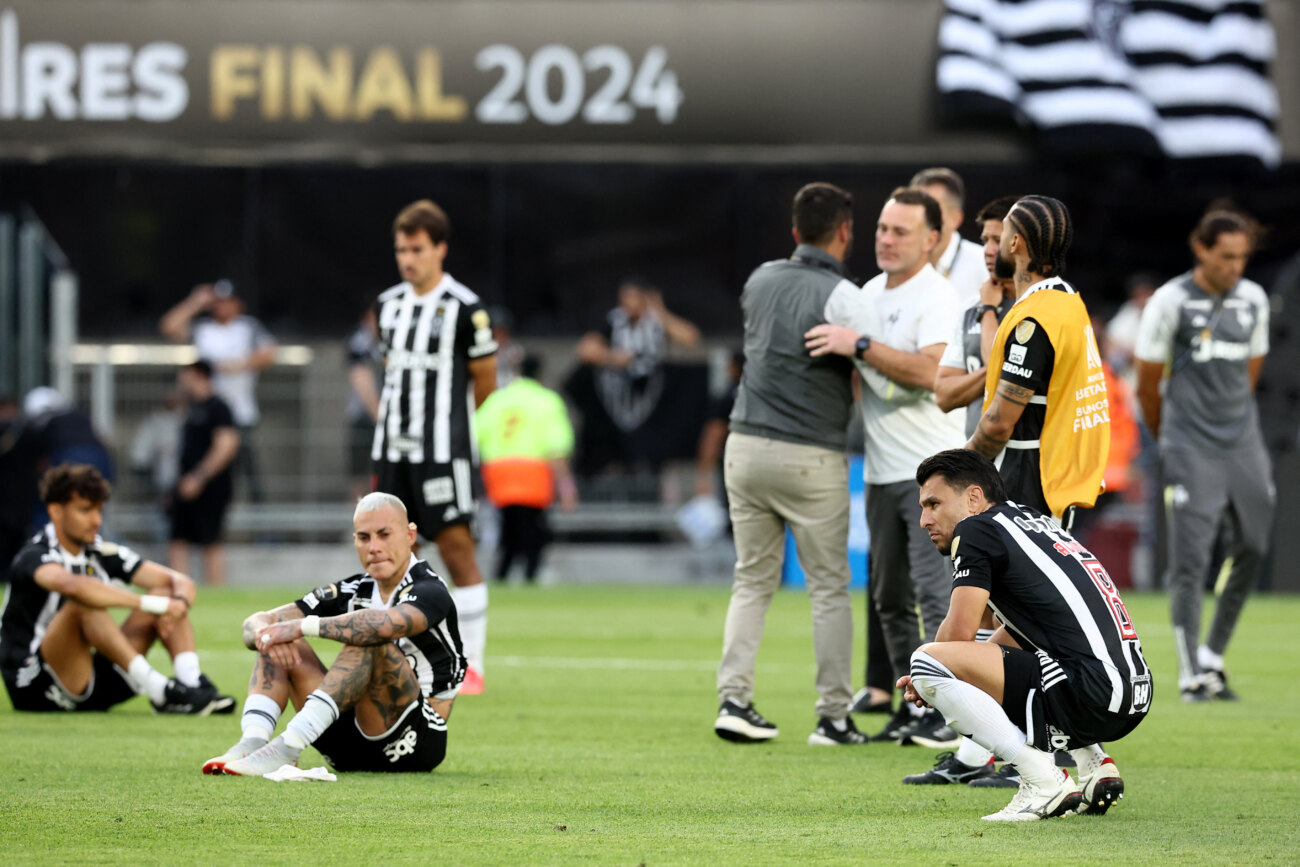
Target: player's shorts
{"points": [[35, 687], [437, 496], [416, 743], [1060, 707], [199, 521]]}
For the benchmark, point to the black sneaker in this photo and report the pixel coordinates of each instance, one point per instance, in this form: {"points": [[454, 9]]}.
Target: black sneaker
{"points": [[223, 704], [862, 703], [742, 724], [948, 770], [1196, 694], [901, 719], [930, 731], [827, 735], [1216, 684], [189, 700], [1006, 777]]}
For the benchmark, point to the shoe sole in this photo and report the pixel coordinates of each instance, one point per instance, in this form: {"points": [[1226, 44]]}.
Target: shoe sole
{"points": [[736, 730], [1105, 794], [214, 767], [820, 740]]}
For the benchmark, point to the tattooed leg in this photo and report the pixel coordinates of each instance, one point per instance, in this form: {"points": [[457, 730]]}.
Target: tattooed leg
{"points": [[285, 684], [393, 687]]}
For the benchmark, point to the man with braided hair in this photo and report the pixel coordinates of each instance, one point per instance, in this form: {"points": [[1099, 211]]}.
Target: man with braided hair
{"points": [[1046, 420]]}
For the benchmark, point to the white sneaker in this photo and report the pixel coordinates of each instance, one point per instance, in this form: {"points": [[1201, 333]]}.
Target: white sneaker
{"points": [[1101, 789], [1032, 803], [245, 747], [259, 763]]}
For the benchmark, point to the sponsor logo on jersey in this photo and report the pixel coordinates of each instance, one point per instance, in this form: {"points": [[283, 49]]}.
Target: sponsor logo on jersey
{"points": [[403, 746], [1024, 331], [407, 359], [451, 514], [1023, 372], [438, 491], [1016, 354]]}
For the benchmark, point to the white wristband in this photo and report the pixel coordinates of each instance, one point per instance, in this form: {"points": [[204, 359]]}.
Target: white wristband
{"points": [[311, 626], [155, 604]]}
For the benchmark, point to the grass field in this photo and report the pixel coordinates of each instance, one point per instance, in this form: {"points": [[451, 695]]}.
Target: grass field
{"points": [[593, 743]]}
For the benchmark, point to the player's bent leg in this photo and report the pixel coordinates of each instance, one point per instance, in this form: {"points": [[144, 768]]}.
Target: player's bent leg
{"points": [[67, 650], [393, 687], [456, 548]]}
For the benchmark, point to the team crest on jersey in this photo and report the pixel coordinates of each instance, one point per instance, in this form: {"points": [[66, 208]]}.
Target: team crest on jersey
{"points": [[480, 319], [1024, 331], [956, 540], [108, 549], [329, 591]]}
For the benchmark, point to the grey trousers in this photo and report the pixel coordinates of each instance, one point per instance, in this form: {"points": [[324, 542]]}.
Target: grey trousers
{"points": [[772, 484], [1201, 490], [906, 569]]}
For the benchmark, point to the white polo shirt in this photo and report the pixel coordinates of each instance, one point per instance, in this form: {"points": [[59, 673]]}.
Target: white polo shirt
{"points": [[963, 264], [235, 340]]}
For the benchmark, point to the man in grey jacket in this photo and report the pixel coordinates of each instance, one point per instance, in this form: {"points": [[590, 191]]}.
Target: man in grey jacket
{"points": [[784, 465]]}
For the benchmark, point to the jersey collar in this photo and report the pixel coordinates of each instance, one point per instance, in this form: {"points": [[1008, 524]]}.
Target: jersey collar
{"points": [[949, 257], [1049, 283]]}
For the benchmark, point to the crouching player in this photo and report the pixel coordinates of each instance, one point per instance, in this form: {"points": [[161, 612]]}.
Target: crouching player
{"points": [[383, 704], [1065, 670]]}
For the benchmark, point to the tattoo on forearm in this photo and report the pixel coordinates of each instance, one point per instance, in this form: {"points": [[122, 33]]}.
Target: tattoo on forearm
{"points": [[370, 626], [984, 444]]}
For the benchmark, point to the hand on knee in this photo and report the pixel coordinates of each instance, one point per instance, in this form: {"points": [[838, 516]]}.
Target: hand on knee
{"points": [[928, 673]]}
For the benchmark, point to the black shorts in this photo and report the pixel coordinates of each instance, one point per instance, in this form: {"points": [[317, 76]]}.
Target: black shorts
{"points": [[198, 521], [437, 496], [416, 743], [1060, 713], [361, 434], [34, 687]]}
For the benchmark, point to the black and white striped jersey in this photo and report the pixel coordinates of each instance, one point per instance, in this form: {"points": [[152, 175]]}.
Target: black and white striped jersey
{"points": [[1053, 596], [29, 607], [436, 655], [630, 394], [425, 413]]}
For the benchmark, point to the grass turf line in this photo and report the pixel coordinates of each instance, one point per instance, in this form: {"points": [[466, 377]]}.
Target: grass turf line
{"points": [[593, 743]]}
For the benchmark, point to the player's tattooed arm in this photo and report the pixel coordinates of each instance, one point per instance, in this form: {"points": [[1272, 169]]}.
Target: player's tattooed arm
{"points": [[374, 626], [999, 420], [259, 619]]}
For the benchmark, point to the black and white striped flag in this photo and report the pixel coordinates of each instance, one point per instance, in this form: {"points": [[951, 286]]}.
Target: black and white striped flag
{"points": [[1187, 78]]}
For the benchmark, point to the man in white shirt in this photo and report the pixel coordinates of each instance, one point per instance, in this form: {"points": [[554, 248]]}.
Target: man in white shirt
{"points": [[897, 329], [955, 258], [237, 346]]}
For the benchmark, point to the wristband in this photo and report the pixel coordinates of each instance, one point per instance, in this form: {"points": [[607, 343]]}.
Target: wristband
{"points": [[985, 308], [311, 626], [155, 604]]}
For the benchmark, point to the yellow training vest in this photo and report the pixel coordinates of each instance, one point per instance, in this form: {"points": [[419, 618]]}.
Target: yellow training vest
{"points": [[1075, 442]]}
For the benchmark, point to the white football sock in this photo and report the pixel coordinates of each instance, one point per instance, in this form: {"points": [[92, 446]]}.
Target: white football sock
{"points": [[984, 634], [261, 715], [145, 680], [1088, 759], [471, 617], [186, 666], [973, 712], [318, 713], [971, 753], [1208, 659]]}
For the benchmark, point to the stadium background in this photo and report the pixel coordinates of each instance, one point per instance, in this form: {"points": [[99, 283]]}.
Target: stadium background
{"points": [[547, 216]]}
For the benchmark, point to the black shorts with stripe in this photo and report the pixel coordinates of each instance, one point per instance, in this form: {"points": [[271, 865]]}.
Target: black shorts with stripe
{"points": [[417, 742], [437, 496], [35, 687], [1060, 706]]}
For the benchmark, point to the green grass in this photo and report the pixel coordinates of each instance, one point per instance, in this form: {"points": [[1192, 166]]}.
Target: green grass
{"points": [[593, 743]]}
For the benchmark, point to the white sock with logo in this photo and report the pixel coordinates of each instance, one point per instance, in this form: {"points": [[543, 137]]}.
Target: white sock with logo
{"points": [[318, 713], [261, 715], [1088, 759], [186, 667], [145, 680], [471, 617]]}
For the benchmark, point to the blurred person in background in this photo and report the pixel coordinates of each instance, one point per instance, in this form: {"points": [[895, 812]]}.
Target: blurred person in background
{"points": [[525, 441], [1122, 329], [63, 434], [627, 355], [236, 346], [959, 261], [713, 436], [785, 466], [19, 453], [155, 454], [1203, 340], [438, 348], [209, 444], [510, 352], [365, 379], [897, 328], [964, 366]]}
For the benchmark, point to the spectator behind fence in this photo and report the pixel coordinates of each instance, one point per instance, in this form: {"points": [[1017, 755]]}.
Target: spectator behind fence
{"points": [[155, 454], [365, 379], [64, 435], [627, 355], [209, 443], [236, 346], [525, 440]]}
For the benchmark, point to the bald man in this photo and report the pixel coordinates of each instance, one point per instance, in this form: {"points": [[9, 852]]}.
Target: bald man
{"points": [[383, 704]]}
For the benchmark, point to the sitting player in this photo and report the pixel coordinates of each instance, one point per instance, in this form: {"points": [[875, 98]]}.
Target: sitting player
{"points": [[1064, 671], [383, 704], [60, 649]]}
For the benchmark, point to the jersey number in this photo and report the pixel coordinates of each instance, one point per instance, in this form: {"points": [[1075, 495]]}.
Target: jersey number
{"points": [[1107, 588]]}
